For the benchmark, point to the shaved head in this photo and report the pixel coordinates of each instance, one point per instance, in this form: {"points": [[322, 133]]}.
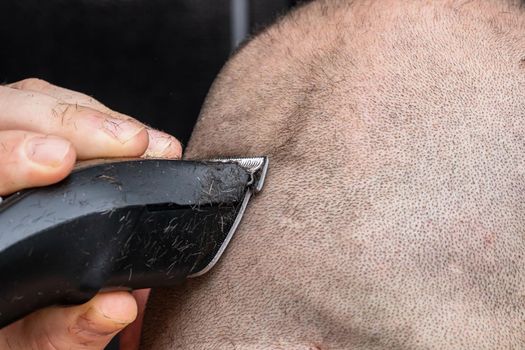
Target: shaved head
{"points": [[393, 215]]}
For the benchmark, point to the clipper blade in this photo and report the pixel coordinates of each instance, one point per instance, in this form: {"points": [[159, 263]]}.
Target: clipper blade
{"points": [[257, 167]]}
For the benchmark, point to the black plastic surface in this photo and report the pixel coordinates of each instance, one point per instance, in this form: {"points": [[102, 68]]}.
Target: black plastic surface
{"points": [[126, 225]]}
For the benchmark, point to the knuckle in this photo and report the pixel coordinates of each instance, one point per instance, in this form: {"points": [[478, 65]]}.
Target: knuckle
{"points": [[35, 84], [7, 148], [64, 113], [45, 342]]}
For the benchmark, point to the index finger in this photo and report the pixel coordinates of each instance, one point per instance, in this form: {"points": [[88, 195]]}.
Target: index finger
{"points": [[160, 144], [93, 134]]}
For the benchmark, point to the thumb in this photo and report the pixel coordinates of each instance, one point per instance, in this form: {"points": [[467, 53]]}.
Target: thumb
{"points": [[86, 327]]}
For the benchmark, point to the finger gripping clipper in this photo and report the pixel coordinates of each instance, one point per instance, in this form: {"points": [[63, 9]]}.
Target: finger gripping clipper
{"points": [[121, 225]]}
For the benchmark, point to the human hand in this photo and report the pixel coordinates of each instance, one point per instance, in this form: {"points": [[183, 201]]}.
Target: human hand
{"points": [[44, 129]]}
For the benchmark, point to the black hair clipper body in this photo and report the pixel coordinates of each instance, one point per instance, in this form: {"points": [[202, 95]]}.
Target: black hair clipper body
{"points": [[120, 225]]}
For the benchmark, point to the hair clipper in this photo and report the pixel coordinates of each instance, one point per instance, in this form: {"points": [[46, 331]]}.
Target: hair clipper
{"points": [[126, 224]]}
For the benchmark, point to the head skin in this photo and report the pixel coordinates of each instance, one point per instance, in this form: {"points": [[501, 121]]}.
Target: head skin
{"points": [[393, 216]]}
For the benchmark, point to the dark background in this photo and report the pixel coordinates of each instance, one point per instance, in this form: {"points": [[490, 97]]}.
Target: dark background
{"points": [[152, 59]]}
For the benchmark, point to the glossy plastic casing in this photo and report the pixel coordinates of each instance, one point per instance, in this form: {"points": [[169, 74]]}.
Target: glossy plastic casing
{"points": [[124, 225]]}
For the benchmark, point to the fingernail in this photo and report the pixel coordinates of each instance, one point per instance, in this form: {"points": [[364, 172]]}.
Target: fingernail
{"points": [[163, 145], [48, 151], [122, 130]]}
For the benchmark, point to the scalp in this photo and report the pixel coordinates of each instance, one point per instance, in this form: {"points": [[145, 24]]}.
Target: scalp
{"points": [[392, 217]]}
